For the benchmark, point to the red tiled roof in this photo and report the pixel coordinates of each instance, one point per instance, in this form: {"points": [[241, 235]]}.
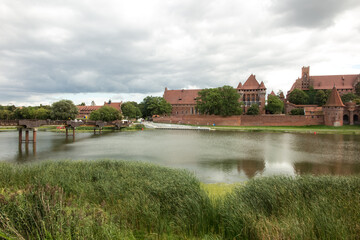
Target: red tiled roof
{"points": [[327, 82], [334, 99], [272, 93], [262, 85], [88, 108], [116, 105], [251, 83], [181, 96], [240, 85]]}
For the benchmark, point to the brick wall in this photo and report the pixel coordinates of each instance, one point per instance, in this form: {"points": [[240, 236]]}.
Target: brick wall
{"points": [[245, 120]]}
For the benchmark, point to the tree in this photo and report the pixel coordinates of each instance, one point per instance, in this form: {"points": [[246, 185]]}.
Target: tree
{"points": [[253, 110], [311, 93], [357, 89], [219, 101], [6, 114], [42, 113], [155, 106], [131, 110], [298, 96], [63, 110], [274, 105], [348, 97], [106, 113], [320, 98], [82, 104], [297, 111]]}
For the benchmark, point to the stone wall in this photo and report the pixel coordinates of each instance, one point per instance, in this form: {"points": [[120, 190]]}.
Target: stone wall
{"points": [[244, 120]]}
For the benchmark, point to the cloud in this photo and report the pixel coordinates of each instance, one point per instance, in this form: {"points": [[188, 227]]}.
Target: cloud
{"points": [[311, 14], [50, 49]]}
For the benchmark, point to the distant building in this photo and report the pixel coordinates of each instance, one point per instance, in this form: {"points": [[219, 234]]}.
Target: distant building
{"points": [[85, 111], [183, 102], [344, 83]]}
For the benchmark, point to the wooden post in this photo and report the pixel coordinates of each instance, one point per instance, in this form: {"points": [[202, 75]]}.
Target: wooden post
{"points": [[100, 129], [20, 135], [67, 132], [34, 135], [73, 133], [27, 135], [94, 130]]}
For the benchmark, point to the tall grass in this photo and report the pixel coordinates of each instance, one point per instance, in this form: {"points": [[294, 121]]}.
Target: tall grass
{"points": [[294, 208], [124, 200]]}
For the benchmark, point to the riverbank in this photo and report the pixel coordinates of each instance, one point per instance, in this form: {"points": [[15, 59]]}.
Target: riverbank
{"points": [[129, 200], [318, 129]]}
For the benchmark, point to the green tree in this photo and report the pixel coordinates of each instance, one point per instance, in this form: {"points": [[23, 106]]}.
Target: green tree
{"points": [[312, 95], [357, 89], [274, 105], [24, 113], [320, 98], [297, 111], [63, 110], [348, 97], [298, 96], [155, 106], [42, 113], [6, 114], [219, 101], [106, 114], [253, 110], [131, 110]]}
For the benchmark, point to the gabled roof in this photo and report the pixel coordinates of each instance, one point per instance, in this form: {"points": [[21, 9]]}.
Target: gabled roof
{"points": [[251, 83], [181, 96], [334, 99], [240, 85], [262, 85], [341, 81], [272, 93], [116, 105]]}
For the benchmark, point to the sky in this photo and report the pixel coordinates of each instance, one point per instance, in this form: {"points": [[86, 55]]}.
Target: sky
{"points": [[126, 50]]}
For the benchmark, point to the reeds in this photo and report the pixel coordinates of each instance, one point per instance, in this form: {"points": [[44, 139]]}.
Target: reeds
{"points": [[129, 200]]}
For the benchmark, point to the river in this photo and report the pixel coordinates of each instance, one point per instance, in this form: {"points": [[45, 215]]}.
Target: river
{"points": [[213, 156]]}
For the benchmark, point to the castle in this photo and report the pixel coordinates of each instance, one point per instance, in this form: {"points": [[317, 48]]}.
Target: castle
{"points": [[333, 113]]}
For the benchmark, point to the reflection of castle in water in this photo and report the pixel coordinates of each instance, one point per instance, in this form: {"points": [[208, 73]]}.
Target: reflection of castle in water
{"points": [[251, 167]]}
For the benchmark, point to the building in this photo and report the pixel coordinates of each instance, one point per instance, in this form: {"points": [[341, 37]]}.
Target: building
{"points": [[183, 102], [344, 83], [252, 92], [85, 111]]}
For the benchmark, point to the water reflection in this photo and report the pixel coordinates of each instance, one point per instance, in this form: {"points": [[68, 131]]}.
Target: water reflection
{"points": [[212, 156]]}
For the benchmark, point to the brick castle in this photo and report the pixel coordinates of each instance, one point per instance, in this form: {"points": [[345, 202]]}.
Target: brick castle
{"points": [[333, 113]]}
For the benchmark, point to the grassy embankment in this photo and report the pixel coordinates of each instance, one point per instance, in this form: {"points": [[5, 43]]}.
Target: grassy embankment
{"points": [[321, 129], [124, 200]]}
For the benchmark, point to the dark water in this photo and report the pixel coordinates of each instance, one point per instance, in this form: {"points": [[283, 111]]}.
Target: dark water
{"points": [[213, 156]]}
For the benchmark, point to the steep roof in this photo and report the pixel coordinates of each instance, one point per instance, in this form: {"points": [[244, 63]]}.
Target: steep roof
{"points": [[341, 81], [240, 85], [262, 85], [116, 105], [272, 93], [334, 99], [181, 96], [251, 83]]}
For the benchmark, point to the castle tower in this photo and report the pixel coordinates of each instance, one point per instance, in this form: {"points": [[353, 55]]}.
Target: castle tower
{"points": [[334, 109], [252, 93], [305, 77]]}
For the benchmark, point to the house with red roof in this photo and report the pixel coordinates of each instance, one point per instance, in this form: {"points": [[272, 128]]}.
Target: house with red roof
{"points": [[85, 111]]}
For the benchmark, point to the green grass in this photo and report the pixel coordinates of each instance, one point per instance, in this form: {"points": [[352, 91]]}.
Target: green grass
{"points": [[321, 129], [129, 200]]}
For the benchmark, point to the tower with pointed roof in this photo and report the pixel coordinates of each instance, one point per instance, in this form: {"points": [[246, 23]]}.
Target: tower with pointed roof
{"points": [[252, 93], [334, 109]]}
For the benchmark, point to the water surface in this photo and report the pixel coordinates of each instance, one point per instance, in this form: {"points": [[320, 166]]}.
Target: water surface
{"points": [[213, 156]]}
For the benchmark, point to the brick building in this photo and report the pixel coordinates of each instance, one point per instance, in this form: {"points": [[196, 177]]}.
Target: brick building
{"points": [[85, 111], [183, 102], [344, 83]]}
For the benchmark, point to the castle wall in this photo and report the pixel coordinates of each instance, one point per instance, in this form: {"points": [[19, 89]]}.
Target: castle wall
{"points": [[244, 120]]}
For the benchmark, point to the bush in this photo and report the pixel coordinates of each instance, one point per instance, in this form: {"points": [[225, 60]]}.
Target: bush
{"points": [[253, 110], [297, 111], [106, 114]]}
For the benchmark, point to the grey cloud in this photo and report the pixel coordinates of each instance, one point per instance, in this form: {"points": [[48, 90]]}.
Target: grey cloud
{"points": [[311, 13]]}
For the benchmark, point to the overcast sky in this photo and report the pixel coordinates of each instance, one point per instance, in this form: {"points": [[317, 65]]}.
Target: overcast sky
{"points": [[125, 50]]}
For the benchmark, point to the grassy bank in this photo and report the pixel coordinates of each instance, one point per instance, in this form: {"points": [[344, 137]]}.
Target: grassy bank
{"points": [[124, 200], [319, 129]]}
